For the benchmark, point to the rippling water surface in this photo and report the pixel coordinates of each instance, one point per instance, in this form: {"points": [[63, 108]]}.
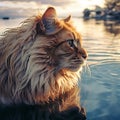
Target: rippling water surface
{"points": [[100, 93]]}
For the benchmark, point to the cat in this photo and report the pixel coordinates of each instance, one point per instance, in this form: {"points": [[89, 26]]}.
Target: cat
{"points": [[40, 64]]}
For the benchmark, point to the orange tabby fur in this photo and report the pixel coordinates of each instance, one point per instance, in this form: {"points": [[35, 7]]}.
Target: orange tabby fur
{"points": [[33, 70]]}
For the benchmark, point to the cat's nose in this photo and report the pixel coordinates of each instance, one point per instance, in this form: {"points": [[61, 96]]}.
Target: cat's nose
{"points": [[83, 53]]}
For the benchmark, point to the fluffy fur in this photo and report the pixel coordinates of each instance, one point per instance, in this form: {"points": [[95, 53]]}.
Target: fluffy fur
{"points": [[37, 68]]}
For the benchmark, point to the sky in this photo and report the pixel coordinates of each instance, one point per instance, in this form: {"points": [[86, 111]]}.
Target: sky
{"points": [[18, 8]]}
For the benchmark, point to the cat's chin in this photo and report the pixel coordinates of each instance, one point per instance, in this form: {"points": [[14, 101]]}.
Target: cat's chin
{"points": [[75, 69]]}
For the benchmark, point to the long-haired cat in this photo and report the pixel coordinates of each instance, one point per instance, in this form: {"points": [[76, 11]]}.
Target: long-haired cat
{"points": [[40, 63]]}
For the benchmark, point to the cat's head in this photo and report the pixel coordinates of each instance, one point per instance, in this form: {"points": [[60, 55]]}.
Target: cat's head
{"points": [[40, 58], [63, 42]]}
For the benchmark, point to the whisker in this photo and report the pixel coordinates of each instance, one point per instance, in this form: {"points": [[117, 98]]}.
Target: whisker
{"points": [[87, 68]]}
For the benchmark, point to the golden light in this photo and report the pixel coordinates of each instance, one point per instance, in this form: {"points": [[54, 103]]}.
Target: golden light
{"points": [[89, 3]]}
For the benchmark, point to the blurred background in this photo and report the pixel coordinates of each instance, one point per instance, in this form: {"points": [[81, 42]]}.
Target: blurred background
{"points": [[98, 21], [23, 8]]}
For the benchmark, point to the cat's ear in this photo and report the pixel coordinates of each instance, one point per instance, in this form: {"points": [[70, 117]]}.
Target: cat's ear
{"points": [[67, 19], [49, 23]]}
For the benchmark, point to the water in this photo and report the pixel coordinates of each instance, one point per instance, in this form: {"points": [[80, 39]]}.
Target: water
{"points": [[100, 91], [100, 85]]}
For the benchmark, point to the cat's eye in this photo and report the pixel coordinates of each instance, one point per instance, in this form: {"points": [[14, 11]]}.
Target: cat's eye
{"points": [[72, 43]]}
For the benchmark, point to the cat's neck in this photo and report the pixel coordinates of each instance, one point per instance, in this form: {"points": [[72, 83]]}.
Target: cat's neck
{"points": [[56, 85]]}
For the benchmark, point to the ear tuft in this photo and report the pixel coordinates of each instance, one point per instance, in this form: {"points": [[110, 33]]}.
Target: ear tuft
{"points": [[50, 12], [67, 19], [49, 23]]}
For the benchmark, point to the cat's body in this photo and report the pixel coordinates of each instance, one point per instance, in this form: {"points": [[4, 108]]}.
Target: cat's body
{"points": [[40, 63], [66, 107]]}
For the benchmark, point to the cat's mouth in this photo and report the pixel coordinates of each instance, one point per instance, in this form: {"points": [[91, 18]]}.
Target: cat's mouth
{"points": [[77, 65]]}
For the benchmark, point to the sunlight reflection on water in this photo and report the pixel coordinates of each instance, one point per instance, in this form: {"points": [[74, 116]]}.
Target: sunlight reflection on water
{"points": [[100, 93], [101, 45]]}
